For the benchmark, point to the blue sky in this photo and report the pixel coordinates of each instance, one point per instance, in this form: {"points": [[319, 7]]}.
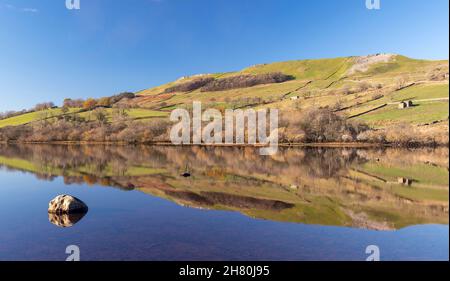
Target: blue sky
{"points": [[48, 53]]}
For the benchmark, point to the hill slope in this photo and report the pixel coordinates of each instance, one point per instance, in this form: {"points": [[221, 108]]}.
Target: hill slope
{"points": [[353, 86], [368, 89]]}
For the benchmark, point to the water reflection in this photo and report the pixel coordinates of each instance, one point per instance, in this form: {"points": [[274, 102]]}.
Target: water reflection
{"points": [[344, 187], [65, 220]]}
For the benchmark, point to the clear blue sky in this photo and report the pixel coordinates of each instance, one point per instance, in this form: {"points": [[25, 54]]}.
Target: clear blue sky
{"points": [[48, 53]]}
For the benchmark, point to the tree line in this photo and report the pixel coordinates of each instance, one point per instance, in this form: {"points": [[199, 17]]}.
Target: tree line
{"points": [[68, 103]]}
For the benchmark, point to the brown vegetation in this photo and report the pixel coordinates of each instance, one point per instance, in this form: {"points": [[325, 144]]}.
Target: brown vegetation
{"points": [[315, 125], [210, 84], [70, 103], [76, 130], [91, 103], [189, 86], [405, 134], [44, 106], [245, 81], [320, 125]]}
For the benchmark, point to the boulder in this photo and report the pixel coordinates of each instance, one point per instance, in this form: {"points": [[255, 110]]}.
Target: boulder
{"points": [[66, 204]]}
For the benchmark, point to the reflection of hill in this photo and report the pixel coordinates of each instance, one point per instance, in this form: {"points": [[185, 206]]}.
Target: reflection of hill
{"points": [[347, 187], [236, 201]]}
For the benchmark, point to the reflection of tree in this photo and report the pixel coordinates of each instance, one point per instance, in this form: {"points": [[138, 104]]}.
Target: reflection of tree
{"points": [[90, 179], [240, 179], [327, 163], [95, 163], [45, 177]]}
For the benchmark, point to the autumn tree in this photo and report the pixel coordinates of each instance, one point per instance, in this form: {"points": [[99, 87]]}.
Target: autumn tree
{"points": [[70, 103], [89, 103], [65, 110], [44, 106], [120, 112], [100, 115]]}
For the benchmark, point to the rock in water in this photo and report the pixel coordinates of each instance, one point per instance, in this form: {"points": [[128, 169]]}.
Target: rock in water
{"points": [[66, 204], [65, 220]]}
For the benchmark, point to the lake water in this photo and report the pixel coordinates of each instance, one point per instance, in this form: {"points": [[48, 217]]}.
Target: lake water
{"points": [[300, 204]]}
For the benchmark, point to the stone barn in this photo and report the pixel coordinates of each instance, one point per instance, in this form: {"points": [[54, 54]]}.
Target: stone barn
{"points": [[405, 104], [404, 181]]}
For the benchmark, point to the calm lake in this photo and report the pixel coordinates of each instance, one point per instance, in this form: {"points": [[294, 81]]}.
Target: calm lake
{"points": [[300, 204]]}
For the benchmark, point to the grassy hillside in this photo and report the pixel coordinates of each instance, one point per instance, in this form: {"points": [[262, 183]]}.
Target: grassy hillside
{"points": [[367, 88], [356, 87], [50, 114], [31, 117]]}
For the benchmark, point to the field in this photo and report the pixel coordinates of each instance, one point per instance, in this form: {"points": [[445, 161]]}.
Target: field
{"points": [[421, 113], [135, 113], [30, 117]]}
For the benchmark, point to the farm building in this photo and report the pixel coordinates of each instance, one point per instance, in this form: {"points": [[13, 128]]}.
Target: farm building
{"points": [[405, 104], [404, 181]]}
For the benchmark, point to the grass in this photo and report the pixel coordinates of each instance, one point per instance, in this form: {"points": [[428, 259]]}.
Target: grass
{"points": [[414, 193], [303, 69], [323, 72], [422, 173], [21, 164], [424, 112], [400, 219], [401, 65], [108, 171], [140, 113], [261, 91], [31, 117], [320, 211], [419, 92], [135, 113]]}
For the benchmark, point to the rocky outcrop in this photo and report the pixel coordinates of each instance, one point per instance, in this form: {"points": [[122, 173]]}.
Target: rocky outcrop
{"points": [[66, 204], [362, 64], [361, 220]]}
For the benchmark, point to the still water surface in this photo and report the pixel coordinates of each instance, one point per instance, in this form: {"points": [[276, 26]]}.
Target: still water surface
{"points": [[301, 204]]}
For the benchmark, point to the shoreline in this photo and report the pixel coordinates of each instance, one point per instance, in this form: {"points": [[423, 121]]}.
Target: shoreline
{"points": [[283, 145]]}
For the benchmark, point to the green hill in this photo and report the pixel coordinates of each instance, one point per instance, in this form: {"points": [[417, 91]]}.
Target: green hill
{"points": [[354, 85], [367, 88]]}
